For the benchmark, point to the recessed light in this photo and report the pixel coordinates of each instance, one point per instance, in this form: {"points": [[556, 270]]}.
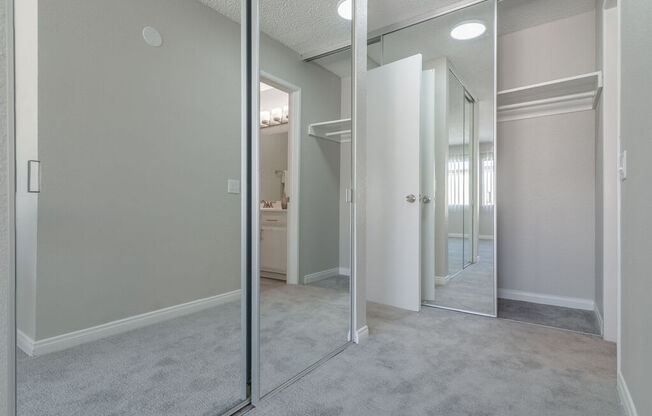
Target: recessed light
{"points": [[468, 30], [345, 9]]}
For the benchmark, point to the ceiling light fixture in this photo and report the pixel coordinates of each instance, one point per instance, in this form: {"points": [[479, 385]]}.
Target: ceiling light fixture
{"points": [[345, 9], [470, 29]]}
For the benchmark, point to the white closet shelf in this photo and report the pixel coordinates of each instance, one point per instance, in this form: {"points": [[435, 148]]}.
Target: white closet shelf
{"points": [[565, 95], [338, 131]]}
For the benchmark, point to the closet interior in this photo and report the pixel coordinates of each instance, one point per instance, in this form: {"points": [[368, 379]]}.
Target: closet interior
{"points": [[550, 142]]}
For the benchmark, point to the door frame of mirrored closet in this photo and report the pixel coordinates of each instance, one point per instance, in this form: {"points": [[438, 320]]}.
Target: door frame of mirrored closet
{"points": [[250, 207], [377, 36], [357, 41], [475, 151]]}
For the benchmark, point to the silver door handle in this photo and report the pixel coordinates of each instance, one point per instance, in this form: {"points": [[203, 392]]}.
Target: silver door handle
{"points": [[426, 199], [411, 198]]}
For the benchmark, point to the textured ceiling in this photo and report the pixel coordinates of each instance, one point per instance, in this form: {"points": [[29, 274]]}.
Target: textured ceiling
{"points": [[309, 26], [472, 59]]}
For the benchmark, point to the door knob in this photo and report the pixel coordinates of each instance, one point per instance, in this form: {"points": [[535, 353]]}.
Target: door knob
{"points": [[411, 198], [426, 199]]}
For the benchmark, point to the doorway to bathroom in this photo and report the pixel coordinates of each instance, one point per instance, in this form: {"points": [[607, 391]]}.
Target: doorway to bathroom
{"points": [[279, 181]]}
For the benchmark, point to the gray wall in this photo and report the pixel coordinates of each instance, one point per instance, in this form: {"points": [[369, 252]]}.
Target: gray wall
{"points": [[546, 168], [273, 157], [136, 145], [320, 159], [546, 188], [636, 353], [542, 53], [130, 220], [6, 295]]}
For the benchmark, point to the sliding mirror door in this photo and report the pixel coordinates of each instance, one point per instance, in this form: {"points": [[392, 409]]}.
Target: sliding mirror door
{"points": [[129, 207], [304, 155], [458, 52]]}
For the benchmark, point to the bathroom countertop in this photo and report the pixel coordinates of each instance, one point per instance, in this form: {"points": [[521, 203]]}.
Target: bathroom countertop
{"points": [[273, 210]]}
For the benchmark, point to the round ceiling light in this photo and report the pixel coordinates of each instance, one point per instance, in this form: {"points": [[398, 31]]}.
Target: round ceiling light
{"points": [[345, 9], [468, 30]]}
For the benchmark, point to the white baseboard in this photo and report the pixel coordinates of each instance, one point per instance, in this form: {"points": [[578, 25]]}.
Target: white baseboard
{"points": [[442, 280], [273, 275], [361, 335], [568, 302], [625, 396], [345, 271], [24, 342], [71, 339], [324, 274], [600, 320]]}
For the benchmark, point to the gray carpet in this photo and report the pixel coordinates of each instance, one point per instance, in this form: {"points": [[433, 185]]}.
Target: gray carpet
{"points": [[188, 365], [444, 363], [548, 315], [455, 254], [472, 289], [298, 326]]}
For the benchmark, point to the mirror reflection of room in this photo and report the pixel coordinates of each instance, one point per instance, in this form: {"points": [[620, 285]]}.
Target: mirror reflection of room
{"points": [[129, 256], [457, 140], [304, 212], [130, 249], [274, 196]]}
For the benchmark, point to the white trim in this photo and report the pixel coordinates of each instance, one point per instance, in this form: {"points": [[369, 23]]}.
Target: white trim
{"points": [[480, 237], [565, 95], [567, 302], [71, 339], [361, 335], [619, 198], [625, 396], [442, 280], [324, 274], [24, 342], [549, 107], [598, 315], [294, 163], [344, 271]]}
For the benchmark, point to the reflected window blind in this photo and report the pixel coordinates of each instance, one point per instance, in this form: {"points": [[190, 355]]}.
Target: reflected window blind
{"points": [[487, 191], [458, 180]]}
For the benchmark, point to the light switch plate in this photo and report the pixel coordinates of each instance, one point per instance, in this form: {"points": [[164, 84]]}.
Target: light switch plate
{"points": [[233, 186], [34, 176]]}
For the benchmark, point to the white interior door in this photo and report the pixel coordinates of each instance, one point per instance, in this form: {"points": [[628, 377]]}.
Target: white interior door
{"points": [[393, 184]]}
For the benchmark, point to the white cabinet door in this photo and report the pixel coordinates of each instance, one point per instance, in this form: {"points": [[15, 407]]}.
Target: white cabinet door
{"points": [[273, 249], [393, 184]]}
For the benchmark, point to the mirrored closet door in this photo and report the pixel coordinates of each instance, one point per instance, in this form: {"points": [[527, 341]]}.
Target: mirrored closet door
{"points": [[129, 216], [457, 50], [304, 151]]}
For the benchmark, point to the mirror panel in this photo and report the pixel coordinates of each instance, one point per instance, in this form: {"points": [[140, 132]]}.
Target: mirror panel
{"points": [[305, 219], [463, 157], [129, 258]]}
